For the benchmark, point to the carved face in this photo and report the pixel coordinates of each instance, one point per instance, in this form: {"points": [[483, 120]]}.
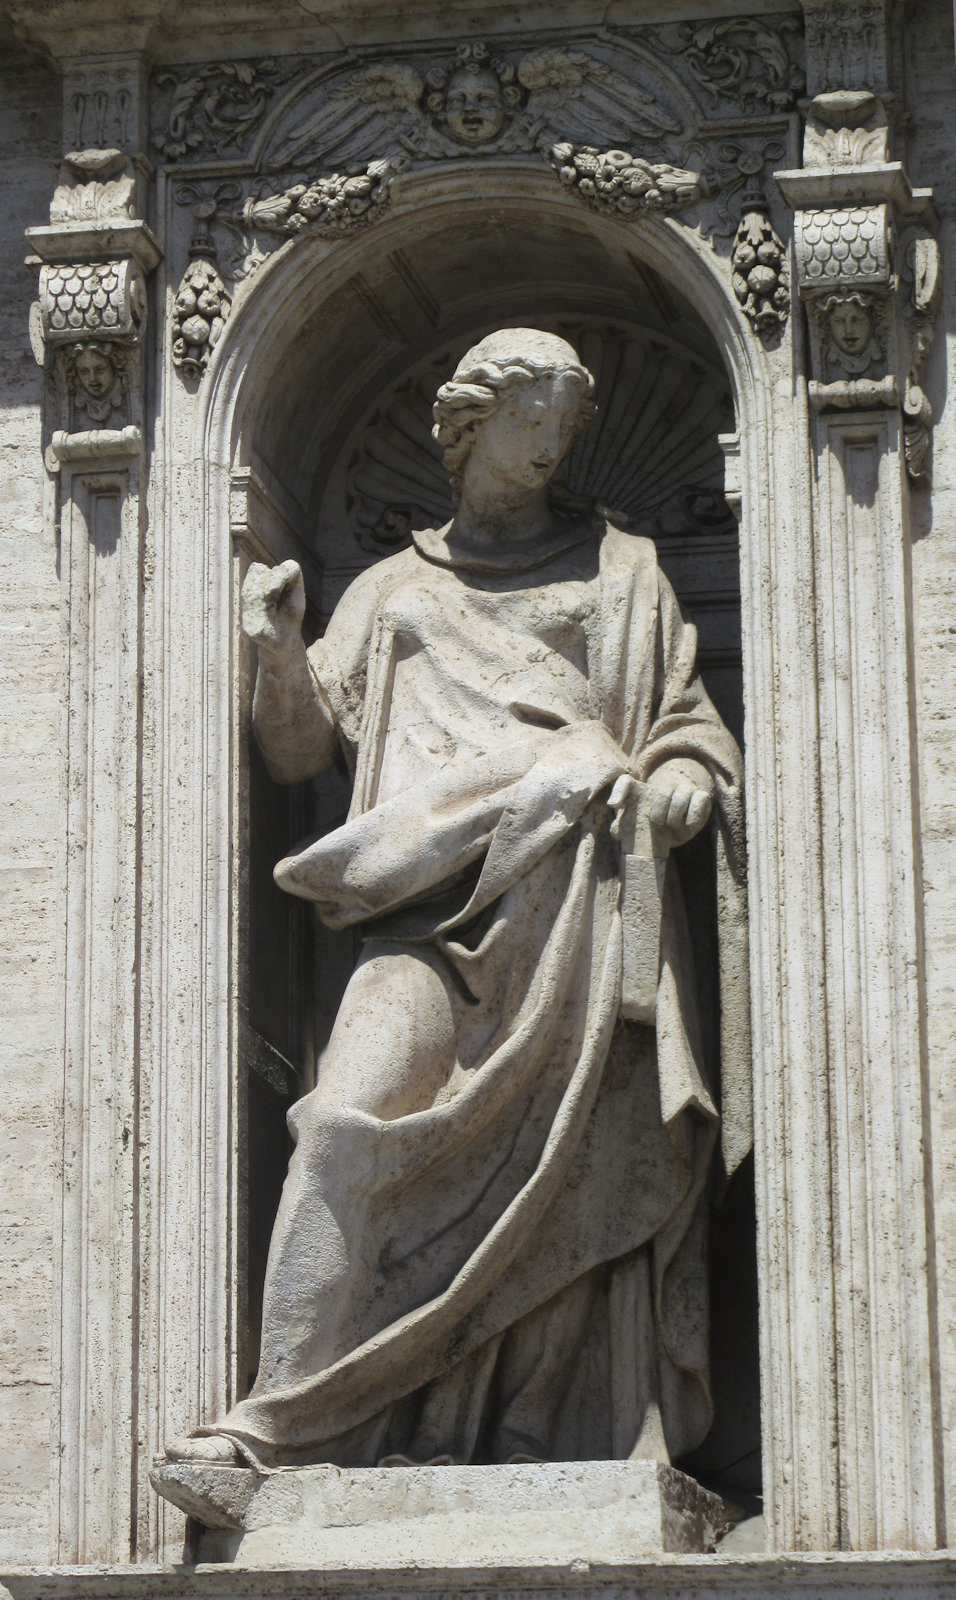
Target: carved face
{"points": [[851, 327], [521, 445], [474, 106], [95, 372]]}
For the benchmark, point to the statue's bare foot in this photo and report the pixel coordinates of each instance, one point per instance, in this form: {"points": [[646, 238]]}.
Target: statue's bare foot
{"points": [[211, 1449]]}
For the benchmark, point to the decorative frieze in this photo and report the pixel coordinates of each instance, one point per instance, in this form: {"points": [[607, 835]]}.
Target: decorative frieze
{"points": [[477, 102], [611, 118]]}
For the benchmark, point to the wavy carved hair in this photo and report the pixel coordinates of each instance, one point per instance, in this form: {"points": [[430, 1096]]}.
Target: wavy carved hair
{"points": [[483, 379]]}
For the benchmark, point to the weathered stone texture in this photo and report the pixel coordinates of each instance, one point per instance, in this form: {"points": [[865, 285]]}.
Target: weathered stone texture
{"points": [[31, 675], [933, 159]]}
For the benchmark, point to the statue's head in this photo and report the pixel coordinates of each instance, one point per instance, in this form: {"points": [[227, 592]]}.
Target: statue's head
{"points": [[537, 388]]}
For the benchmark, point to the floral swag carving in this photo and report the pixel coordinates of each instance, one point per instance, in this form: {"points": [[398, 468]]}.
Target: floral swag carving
{"points": [[617, 139]]}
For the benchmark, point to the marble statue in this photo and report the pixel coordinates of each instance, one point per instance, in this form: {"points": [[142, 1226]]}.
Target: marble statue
{"points": [[491, 1241]]}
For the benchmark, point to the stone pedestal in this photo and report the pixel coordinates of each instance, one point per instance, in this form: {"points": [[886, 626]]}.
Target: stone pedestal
{"points": [[572, 1511]]}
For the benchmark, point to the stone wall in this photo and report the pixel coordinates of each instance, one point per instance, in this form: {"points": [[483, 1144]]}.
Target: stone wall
{"points": [[31, 681], [32, 876], [932, 86]]}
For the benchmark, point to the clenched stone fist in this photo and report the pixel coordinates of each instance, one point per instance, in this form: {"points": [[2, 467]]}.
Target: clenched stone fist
{"points": [[273, 605], [677, 806]]}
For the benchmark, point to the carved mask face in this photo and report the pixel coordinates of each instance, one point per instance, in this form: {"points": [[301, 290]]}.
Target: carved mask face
{"points": [[95, 373], [474, 107], [522, 444], [851, 327]]}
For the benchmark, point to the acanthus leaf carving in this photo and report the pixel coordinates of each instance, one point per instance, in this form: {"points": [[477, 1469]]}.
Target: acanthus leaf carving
{"points": [[95, 186], [616, 182], [217, 106], [744, 59], [846, 128]]}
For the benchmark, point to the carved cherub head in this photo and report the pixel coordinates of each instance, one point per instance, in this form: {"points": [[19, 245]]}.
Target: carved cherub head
{"points": [[512, 358], [96, 375], [851, 322], [93, 366], [474, 96]]}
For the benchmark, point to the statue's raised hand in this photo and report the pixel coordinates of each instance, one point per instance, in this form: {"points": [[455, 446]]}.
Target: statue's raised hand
{"points": [[273, 605]]}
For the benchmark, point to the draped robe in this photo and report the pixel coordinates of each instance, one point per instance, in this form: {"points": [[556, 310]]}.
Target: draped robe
{"points": [[494, 1249]]}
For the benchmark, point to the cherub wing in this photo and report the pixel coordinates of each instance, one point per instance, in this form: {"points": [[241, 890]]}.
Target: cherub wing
{"points": [[584, 100], [365, 116]]}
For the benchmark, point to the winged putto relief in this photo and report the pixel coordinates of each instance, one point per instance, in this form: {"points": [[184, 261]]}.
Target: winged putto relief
{"points": [[475, 102]]}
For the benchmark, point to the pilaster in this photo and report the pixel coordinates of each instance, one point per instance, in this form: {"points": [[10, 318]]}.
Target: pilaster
{"points": [[867, 269], [94, 257]]}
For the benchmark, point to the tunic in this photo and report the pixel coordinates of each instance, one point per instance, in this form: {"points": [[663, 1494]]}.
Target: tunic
{"points": [[490, 1241]]}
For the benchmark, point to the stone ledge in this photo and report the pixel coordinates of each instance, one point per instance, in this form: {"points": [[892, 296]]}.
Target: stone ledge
{"points": [[890, 1575], [446, 1515]]}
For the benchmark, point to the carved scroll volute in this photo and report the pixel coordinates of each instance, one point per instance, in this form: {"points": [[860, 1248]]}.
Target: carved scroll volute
{"points": [[867, 265], [94, 256]]}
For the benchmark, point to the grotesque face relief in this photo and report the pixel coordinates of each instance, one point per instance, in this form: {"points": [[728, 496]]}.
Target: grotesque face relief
{"points": [[96, 377], [474, 105], [851, 327], [95, 373]]}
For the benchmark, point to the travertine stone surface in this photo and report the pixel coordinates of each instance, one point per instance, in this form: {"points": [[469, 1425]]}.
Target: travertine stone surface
{"points": [[283, 365], [31, 839], [456, 1516]]}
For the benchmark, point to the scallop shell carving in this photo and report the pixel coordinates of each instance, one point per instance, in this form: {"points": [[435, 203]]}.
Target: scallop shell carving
{"points": [[654, 443]]}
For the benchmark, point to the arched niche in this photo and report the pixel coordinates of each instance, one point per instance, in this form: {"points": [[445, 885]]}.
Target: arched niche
{"points": [[316, 404]]}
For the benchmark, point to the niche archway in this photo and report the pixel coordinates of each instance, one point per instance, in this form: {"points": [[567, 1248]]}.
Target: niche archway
{"points": [[328, 368]]}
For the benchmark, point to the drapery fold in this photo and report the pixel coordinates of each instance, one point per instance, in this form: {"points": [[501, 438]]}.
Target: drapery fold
{"points": [[559, 1142]]}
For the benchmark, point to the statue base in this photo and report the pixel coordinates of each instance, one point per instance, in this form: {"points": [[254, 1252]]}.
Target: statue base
{"points": [[445, 1516]]}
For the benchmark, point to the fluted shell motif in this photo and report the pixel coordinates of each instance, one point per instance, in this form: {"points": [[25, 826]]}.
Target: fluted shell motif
{"points": [[660, 409]]}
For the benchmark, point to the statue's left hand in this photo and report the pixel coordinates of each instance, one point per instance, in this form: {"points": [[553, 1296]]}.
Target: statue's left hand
{"points": [[678, 808]]}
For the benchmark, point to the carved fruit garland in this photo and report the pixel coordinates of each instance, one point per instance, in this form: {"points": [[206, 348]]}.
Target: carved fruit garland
{"points": [[615, 181], [202, 306], [759, 271]]}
